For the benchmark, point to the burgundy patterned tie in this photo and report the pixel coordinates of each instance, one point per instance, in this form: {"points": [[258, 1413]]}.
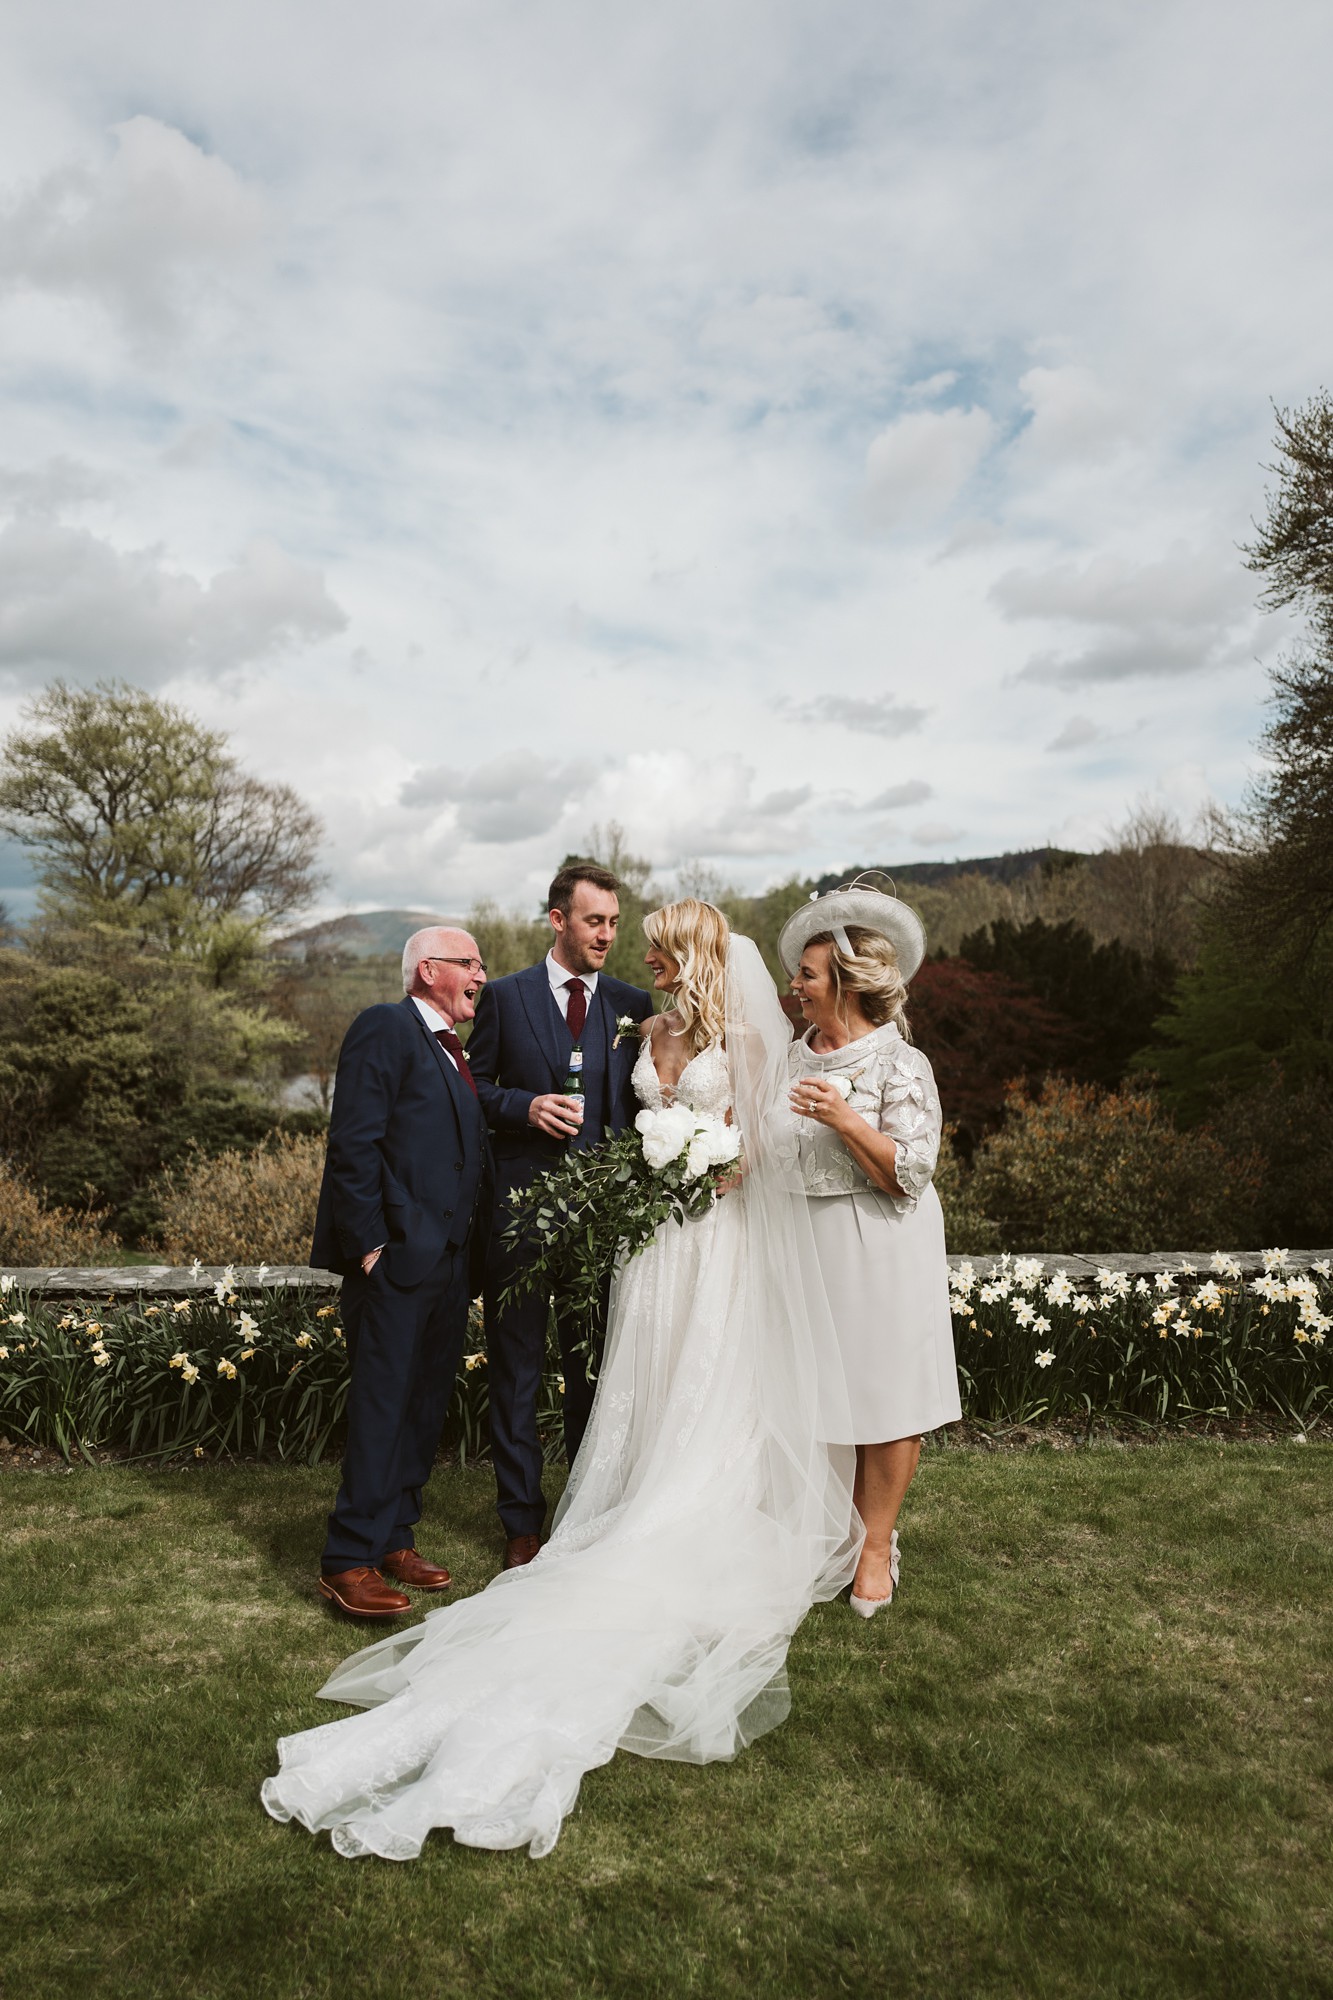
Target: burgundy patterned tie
{"points": [[577, 1011], [450, 1041]]}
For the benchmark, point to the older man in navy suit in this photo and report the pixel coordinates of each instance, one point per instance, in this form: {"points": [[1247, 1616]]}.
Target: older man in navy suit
{"points": [[526, 1027], [404, 1214]]}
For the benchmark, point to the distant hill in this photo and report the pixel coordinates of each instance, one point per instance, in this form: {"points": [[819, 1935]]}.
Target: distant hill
{"points": [[368, 934], [934, 874]]}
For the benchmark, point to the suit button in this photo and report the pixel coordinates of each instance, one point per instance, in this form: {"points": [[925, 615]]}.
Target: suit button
{"points": [[458, 1166]]}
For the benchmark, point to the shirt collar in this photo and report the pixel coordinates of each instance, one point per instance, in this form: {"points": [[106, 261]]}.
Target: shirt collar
{"points": [[560, 976], [434, 1021]]}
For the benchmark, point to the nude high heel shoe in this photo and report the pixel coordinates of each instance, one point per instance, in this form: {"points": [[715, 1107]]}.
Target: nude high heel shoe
{"points": [[866, 1607]]}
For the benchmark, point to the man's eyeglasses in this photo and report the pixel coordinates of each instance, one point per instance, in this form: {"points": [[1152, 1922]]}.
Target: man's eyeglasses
{"points": [[468, 964]]}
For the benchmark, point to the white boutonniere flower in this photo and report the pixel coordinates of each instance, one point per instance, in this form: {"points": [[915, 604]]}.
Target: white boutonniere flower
{"points": [[842, 1084], [626, 1027]]}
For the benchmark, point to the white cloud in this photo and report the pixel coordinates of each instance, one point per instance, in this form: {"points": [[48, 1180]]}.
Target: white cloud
{"points": [[911, 793], [921, 462], [879, 715], [135, 233], [72, 603], [938, 833], [509, 799], [1078, 734], [1074, 417], [1178, 615]]}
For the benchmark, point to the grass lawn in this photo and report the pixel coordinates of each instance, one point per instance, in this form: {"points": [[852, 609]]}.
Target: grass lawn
{"points": [[1088, 1752]]}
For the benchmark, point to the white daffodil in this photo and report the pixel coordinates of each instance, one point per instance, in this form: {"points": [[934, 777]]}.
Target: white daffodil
{"points": [[1046, 1357]]}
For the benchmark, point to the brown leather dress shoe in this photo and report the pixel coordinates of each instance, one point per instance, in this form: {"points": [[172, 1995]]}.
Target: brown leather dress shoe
{"points": [[521, 1549], [363, 1593], [406, 1566]]}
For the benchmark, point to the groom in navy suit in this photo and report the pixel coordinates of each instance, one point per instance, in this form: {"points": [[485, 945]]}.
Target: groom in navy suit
{"points": [[525, 1028], [404, 1214]]}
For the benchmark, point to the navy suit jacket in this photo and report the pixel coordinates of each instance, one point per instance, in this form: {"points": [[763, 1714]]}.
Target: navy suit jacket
{"points": [[519, 1049], [409, 1162]]}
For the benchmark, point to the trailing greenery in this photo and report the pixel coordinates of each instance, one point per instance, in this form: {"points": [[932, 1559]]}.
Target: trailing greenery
{"points": [[1084, 1756], [574, 1222]]}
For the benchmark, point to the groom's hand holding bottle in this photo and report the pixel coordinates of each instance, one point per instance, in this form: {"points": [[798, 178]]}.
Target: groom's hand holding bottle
{"points": [[559, 1117]]}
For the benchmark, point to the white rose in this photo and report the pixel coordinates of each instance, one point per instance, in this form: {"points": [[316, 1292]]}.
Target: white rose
{"points": [[723, 1142], [665, 1134]]}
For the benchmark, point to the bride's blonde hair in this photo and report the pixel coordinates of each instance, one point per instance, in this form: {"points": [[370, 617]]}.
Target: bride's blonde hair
{"points": [[695, 935]]}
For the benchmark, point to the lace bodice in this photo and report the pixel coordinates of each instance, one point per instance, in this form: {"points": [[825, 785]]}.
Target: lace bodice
{"points": [[704, 1084], [893, 1089]]}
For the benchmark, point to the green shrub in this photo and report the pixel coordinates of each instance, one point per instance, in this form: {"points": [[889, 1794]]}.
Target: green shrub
{"points": [[245, 1208], [1078, 1168], [968, 1231], [34, 1234]]}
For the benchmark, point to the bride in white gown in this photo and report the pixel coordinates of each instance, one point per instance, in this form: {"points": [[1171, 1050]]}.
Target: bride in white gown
{"points": [[703, 1516]]}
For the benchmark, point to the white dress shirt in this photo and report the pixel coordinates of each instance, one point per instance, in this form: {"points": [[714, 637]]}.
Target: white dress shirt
{"points": [[433, 1019], [560, 977]]}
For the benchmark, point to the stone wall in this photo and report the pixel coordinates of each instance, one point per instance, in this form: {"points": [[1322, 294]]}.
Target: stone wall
{"points": [[127, 1281]]}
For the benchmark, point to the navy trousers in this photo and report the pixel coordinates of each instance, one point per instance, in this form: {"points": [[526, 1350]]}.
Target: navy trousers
{"points": [[515, 1355], [404, 1347]]}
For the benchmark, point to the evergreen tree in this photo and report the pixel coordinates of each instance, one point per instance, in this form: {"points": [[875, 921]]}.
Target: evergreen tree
{"points": [[1280, 893]]}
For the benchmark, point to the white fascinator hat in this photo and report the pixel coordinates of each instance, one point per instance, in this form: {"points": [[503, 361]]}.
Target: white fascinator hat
{"points": [[855, 904]]}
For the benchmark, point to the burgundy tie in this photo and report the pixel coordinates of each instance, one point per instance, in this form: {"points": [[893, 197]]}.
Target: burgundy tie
{"points": [[577, 1011], [450, 1041]]}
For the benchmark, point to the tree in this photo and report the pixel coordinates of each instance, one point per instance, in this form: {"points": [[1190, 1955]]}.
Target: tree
{"points": [[1280, 886], [1077, 1168], [1149, 886], [1239, 1016], [1109, 994], [143, 823], [981, 1030]]}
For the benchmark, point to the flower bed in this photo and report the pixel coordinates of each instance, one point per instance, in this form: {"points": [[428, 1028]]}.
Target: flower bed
{"points": [[203, 1374], [1034, 1341], [258, 1371]]}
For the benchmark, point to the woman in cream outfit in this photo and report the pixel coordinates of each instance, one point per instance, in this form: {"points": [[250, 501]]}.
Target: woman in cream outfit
{"points": [[869, 1122]]}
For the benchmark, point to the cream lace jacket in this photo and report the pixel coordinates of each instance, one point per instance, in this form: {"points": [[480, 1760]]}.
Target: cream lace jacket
{"points": [[893, 1089]]}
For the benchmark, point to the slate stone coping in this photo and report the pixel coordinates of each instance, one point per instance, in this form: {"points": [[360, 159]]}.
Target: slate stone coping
{"points": [[171, 1281]]}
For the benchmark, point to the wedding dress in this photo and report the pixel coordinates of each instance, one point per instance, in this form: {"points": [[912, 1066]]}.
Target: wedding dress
{"points": [[703, 1516]]}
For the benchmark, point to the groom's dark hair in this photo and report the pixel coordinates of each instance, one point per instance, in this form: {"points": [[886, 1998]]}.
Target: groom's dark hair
{"points": [[561, 893]]}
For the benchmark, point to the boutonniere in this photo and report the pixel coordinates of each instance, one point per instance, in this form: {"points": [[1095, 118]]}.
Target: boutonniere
{"points": [[626, 1026]]}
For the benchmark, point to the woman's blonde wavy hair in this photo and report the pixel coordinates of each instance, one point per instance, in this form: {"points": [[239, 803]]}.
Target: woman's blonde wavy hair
{"points": [[870, 971], [695, 935]]}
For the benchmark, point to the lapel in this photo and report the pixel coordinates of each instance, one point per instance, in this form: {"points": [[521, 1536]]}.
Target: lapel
{"points": [[608, 1014], [459, 1095], [544, 1018]]}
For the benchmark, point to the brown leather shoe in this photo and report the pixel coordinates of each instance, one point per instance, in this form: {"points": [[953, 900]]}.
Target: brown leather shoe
{"points": [[363, 1593], [406, 1566], [520, 1549]]}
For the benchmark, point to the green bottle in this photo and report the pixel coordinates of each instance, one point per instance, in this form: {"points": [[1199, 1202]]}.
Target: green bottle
{"points": [[574, 1076]]}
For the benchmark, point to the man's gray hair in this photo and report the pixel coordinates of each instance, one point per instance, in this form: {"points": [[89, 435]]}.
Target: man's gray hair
{"points": [[435, 941]]}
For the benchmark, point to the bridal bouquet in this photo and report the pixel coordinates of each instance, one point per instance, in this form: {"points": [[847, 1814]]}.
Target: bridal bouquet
{"points": [[575, 1222]]}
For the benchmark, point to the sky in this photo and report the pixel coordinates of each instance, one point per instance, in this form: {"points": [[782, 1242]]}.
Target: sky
{"points": [[807, 435]]}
